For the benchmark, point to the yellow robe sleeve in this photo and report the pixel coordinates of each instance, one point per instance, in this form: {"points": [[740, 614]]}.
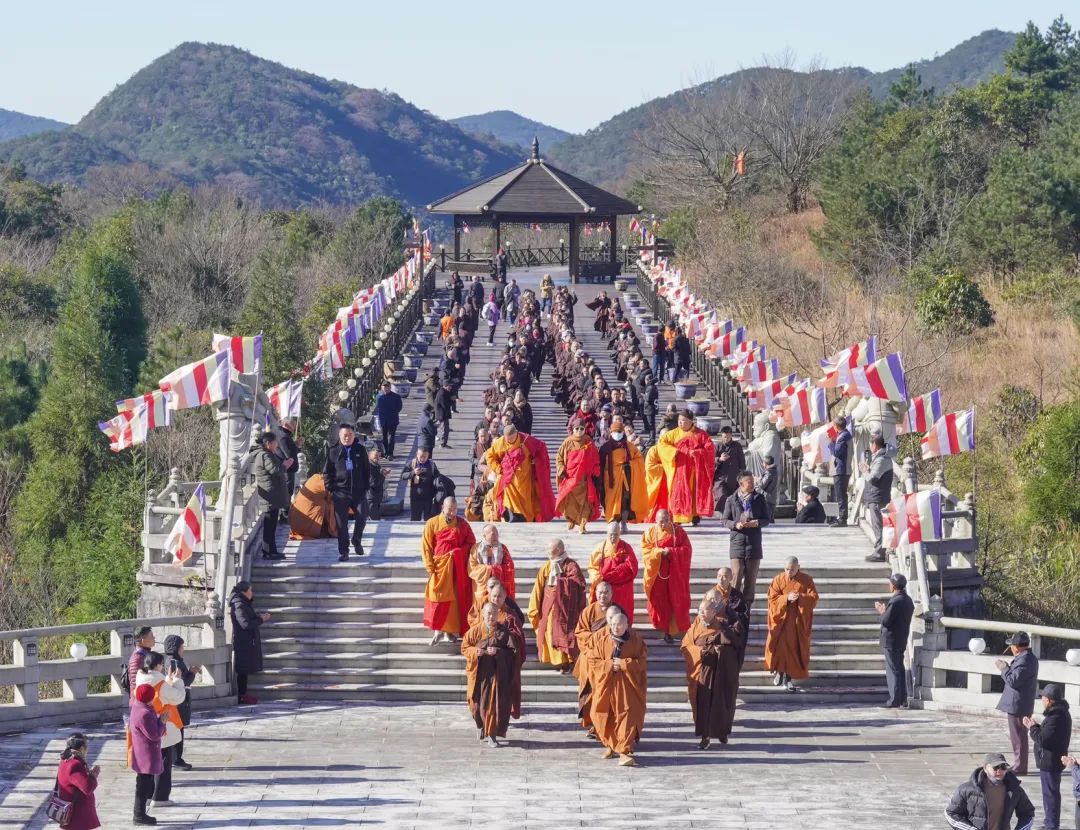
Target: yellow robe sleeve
{"points": [[536, 599]]}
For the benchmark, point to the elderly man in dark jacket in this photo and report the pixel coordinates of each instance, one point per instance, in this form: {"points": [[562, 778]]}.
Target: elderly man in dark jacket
{"points": [[896, 617], [247, 638], [745, 514], [730, 461], [1051, 739], [346, 477], [444, 410], [990, 799], [289, 448], [1017, 700], [877, 492], [273, 485], [388, 410], [841, 453]]}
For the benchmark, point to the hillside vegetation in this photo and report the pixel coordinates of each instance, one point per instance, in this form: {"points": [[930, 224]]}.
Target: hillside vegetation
{"points": [[510, 128]]}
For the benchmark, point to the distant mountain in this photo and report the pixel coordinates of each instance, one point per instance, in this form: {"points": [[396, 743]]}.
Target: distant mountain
{"points": [[608, 154], [16, 125], [212, 113], [510, 128]]}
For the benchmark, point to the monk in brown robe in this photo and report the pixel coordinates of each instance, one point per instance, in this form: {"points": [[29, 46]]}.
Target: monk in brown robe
{"points": [[666, 553], [592, 619], [558, 598], [619, 678], [489, 559], [490, 654], [577, 469], [510, 615], [792, 599], [445, 548], [711, 651]]}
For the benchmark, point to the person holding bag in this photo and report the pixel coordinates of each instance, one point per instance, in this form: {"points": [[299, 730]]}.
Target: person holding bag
{"points": [[73, 795], [169, 691], [146, 728]]}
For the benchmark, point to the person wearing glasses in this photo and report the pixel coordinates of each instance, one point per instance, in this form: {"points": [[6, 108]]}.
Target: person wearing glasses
{"points": [[991, 799]]}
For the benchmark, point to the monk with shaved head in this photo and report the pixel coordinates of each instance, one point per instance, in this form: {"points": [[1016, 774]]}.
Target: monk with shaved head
{"points": [[617, 671], [592, 620], [792, 600], [445, 548]]}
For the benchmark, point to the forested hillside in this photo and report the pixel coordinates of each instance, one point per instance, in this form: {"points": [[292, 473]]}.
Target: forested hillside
{"points": [[16, 124], [510, 128]]}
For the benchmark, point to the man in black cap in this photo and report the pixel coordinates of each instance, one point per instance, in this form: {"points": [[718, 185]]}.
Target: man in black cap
{"points": [[990, 799], [895, 624], [346, 478], [1017, 701], [1051, 739]]}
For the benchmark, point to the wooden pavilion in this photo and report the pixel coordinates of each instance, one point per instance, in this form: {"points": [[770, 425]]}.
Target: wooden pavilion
{"points": [[536, 192]]}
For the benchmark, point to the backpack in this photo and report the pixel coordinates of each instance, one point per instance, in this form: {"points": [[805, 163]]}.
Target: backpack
{"points": [[125, 679]]}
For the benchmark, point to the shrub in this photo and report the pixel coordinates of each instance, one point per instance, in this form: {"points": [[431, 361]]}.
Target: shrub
{"points": [[954, 304]]}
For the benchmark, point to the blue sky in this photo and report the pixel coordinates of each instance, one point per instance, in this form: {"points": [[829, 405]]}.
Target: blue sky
{"points": [[570, 64]]}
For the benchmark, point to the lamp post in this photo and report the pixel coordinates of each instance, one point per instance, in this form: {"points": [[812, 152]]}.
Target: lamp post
{"points": [[562, 252]]}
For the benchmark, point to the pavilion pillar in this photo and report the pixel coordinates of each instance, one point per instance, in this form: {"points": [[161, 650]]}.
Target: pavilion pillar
{"points": [[457, 240], [498, 238], [575, 234], [614, 238]]}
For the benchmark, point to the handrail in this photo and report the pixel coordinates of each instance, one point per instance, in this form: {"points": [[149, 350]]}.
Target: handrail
{"points": [[105, 625], [1010, 627]]}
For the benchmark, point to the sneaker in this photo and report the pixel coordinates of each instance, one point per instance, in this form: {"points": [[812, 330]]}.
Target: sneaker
{"points": [[790, 686], [877, 557], [777, 678], [703, 744], [248, 700], [436, 638]]}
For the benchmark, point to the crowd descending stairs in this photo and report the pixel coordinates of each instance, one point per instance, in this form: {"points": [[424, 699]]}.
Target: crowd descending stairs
{"points": [[353, 631]]}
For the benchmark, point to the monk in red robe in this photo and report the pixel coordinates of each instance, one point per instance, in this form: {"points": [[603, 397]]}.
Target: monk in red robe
{"points": [[489, 558], [792, 600], [666, 553], [558, 598], [445, 548], [490, 648], [522, 491], [618, 675], [688, 457], [613, 561], [577, 469], [592, 619]]}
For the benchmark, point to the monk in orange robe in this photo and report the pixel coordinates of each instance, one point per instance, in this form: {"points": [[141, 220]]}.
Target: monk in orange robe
{"points": [[489, 558], [711, 650], [792, 599], [614, 562], [622, 478], [618, 675], [510, 615], [522, 471], [577, 468], [688, 456], [490, 651], [666, 553], [592, 619], [555, 606], [445, 548]]}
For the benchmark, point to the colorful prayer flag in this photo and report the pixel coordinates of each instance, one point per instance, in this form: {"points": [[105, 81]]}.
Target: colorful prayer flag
{"points": [[286, 398], [950, 434], [912, 518], [922, 414], [151, 409], [245, 352], [121, 431], [205, 381], [188, 530], [881, 379]]}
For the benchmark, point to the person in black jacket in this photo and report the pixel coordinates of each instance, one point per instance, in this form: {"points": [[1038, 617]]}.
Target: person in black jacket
{"points": [[811, 511], [683, 354], [427, 429], [745, 514], [376, 483], [1051, 740], [421, 473], [247, 639], [289, 449], [444, 410], [730, 461], [895, 626], [346, 477], [174, 659], [388, 409], [840, 447], [969, 808], [1017, 700], [272, 483]]}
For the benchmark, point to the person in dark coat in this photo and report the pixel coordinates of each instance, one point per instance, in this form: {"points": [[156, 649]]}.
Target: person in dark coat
{"points": [[895, 626], [346, 478], [650, 405], [388, 410], [811, 512], [683, 355], [272, 482], [76, 782], [427, 429], [421, 473], [376, 483], [247, 638], [458, 286], [1051, 741], [841, 453], [659, 354], [444, 410], [1017, 699], [477, 289], [730, 461], [745, 514], [289, 448], [174, 658], [992, 788], [877, 492]]}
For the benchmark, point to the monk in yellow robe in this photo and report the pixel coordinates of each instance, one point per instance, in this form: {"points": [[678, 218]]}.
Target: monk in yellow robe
{"points": [[490, 652], [622, 478], [792, 599], [688, 456], [489, 559], [522, 471], [592, 619], [666, 553], [558, 598], [577, 469], [445, 548], [618, 675]]}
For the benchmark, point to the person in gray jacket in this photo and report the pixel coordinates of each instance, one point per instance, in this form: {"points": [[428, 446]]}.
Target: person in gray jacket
{"points": [[877, 491], [1017, 700], [272, 482]]}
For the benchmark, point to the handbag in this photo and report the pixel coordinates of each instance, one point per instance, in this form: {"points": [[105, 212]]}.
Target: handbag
{"points": [[56, 808]]}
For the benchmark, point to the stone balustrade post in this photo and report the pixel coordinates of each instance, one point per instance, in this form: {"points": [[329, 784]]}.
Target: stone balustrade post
{"points": [[121, 644], [173, 487], [934, 640], [25, 655], [911, 476]]}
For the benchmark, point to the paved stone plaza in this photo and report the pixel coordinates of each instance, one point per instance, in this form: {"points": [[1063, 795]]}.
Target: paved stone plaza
{"points": [[406, 766]]}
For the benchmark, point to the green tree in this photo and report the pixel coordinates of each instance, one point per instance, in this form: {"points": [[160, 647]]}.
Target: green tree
{"points": [[270, 309], [953, 305], [907, 92], [368, 245], [1051, 482]]}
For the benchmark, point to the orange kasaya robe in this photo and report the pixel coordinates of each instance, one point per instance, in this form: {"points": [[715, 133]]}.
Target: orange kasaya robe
{"points": [[577, 466], [618, 697], [480, 571], [446, 325], [787, 648], [712, 660], [311, 515], [622, 479], [490, 679], [617, 566], [592, 620], [688, 458], [667, 578], [445, 550], [555, 609], [522, 478]]}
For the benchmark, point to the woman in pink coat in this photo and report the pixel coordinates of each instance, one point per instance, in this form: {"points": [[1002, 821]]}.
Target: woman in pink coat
{"points": [[146, 728], [76, 782]]}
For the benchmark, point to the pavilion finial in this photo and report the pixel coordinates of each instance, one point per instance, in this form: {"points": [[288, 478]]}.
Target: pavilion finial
{"points": [[535, 149]]}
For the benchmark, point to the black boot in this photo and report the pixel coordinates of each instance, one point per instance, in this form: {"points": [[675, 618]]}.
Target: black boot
{"points": [[140, 816]]}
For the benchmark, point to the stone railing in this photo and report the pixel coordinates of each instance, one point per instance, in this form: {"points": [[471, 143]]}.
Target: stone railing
{"points": [[74, 677]]}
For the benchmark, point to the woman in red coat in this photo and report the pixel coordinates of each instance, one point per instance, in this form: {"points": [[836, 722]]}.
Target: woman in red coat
{"points": [[76, 783]]}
